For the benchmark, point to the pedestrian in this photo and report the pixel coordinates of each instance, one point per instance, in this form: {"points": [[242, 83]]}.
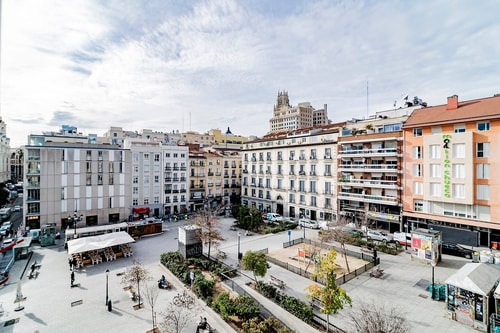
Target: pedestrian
{"points": [[202, 325], [74, 263], [70, 262], [72, 278]]}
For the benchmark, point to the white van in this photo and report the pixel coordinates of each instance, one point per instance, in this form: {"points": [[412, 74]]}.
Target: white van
{"points": [[313, 224], [402, 238], [274, 217]]}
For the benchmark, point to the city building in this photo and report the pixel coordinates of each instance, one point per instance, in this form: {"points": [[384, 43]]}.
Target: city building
{"points": [[288, 118], [16, 164], [5, 153], [370, 173], [293, 173], [68, 174], [227, 139], [451, 172]]}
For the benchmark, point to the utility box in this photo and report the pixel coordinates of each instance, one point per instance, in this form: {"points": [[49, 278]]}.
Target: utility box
{"points": [[190, 244], [426, 245]]}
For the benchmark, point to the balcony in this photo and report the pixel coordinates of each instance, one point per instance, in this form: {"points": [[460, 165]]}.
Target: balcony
{"points": [[368, 198], [369, 152], [368, 168], [374, 183]]}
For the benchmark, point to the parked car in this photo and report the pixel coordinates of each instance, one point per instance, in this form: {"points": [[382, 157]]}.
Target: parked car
{"points": [[351, 231], [457, 250], [313, 224], [17, 208], [402, 238], [378, 235], [274, 217]]}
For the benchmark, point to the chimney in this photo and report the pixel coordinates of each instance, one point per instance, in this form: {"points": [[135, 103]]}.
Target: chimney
{"points": [[452, 103]]}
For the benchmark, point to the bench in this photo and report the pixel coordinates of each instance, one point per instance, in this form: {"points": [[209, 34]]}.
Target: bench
{"points": [[376, 272], [277, 282]]}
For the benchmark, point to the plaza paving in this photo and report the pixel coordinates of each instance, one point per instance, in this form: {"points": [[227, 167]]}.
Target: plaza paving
{"points": [[48, 304]]}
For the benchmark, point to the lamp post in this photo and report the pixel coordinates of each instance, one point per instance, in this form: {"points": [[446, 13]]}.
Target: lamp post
{"points": [[107, 275], [75, 218], [433, 264], [304, 227], [239, 254], [406, 235]]}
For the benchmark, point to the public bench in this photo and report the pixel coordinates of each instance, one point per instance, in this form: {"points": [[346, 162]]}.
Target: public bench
{"points": [[277, 282]]}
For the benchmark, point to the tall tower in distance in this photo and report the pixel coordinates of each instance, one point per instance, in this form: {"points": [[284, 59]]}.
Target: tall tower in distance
{"points": [[289, 118]]}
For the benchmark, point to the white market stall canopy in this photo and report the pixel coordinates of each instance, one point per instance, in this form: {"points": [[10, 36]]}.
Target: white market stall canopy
{"points": [[476, 277], [98, 242]]}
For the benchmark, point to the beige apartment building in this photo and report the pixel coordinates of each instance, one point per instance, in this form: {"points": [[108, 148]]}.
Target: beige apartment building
{"points": [[293, 173], [68, 173]]}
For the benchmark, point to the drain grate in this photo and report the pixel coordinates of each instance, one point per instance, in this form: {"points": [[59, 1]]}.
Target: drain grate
{"points": [[11, 322], [422, 283]]}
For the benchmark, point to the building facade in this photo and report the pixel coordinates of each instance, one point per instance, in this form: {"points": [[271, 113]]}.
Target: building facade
{"points": [[293, 174], [288, 118], [67, 173], [451, 171]]}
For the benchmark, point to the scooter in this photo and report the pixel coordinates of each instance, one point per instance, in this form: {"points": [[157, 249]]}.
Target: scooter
{"points": [[164, 284]]}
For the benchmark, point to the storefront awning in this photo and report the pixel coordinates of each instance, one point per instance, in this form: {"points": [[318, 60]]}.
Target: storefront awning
{"points": [[86, 244], [478, 278], [140, 210]]}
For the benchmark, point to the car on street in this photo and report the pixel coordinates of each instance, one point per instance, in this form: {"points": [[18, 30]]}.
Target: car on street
{"points": [[17, 208], [352, 231], [378, 235], [313, 224], [456, 250]]}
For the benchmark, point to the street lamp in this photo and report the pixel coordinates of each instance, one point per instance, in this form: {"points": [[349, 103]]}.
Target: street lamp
{"points": [[75, 218], [107, 275], [433, 264], [239, 254], [406, 236], [304, 227]]}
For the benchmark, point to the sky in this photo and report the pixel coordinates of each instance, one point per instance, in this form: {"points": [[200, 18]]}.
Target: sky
{"points": [[188, 65]]}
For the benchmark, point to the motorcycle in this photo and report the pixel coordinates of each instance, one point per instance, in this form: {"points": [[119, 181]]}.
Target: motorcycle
{"points": [[164, 284]]}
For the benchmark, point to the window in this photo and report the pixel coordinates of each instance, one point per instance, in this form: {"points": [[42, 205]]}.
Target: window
{"points": [[435, 170], [459, 128], [417, 152], [135, 190], [458, 150], [483, 126], [302, 186], [483, 192], [483, 149], [417, 170], [135, 202], [458, 171], [328, 188], [435, 189], [418, 188], [436, 129], [418, 206], [483, 171], [99, 179], [88, 181], [458, 191], [312, 186], [280, 183], [111, 179], [292, 184], [435, 151], [417, 132]]}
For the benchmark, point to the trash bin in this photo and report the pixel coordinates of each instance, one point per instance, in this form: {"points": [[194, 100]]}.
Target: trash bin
{"points": [[475, 256], [110, 306]]}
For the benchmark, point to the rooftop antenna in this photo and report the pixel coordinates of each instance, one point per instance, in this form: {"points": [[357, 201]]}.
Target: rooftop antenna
{"points": [[367, 113]]}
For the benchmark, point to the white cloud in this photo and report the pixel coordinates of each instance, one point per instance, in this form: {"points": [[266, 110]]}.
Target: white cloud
{"points": [[198, 65]]}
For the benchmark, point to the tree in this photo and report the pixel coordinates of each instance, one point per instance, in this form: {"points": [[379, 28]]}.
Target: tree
{"points": [[255, 262], [175, 318], [337, 235], [151, 295], [209, 232], [376, 318], [135, 275], [332, 297]]}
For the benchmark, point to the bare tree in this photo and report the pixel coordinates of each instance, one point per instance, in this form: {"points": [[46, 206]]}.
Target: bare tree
{"points": [[336, 234], [175, 318], [135, 275], [377, 318], [209, 232], [151, 295]]}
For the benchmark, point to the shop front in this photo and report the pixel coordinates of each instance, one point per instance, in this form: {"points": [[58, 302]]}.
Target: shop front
{"points": [[470, 291]]}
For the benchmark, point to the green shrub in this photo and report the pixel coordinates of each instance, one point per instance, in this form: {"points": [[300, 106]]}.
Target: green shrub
{"points": [[202, 287]]}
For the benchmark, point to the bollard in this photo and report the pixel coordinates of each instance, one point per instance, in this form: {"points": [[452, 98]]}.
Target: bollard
{"points": [[110, 306]]}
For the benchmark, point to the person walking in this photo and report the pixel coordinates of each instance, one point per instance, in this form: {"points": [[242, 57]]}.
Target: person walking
{"points": [[72, 278], [70, 262]]}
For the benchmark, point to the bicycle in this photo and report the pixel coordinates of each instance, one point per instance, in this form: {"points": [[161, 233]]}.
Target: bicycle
{"points": [[184, 300]]}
